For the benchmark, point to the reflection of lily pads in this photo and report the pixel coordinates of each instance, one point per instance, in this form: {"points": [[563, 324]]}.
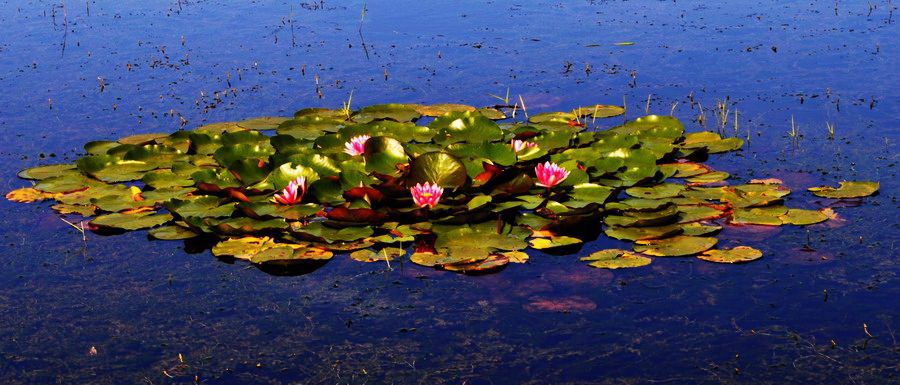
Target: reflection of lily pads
{"points": [[847, 190]]}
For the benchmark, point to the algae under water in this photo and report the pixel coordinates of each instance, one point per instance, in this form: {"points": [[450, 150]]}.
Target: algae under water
{"points": [[809, 88]]}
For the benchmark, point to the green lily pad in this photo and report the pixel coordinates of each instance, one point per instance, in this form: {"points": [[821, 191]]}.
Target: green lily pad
{"points": [[204, 206], [677, 246], [847, 190], [469, 127], [554, 242], [383, 255], [131, 221], [113, 169], [383, 154], [599, 111], [616, 259], [652, 126], [738, 254], [492, 263], [436, 110], [44, 172], [643, 233], [172, 233], [769, 216], [710, 177], [660, 191], [438, 168], [396, 112], [801, 217], [262, 123]]}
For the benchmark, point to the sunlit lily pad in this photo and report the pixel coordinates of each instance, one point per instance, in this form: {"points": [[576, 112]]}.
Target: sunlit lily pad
{"points": [[131, 221], [802, 217], [554, 242], [44, 172], [491, 263], [262, 123], [441, 109], [769, 216], [28, 195], [438, 168], [83, 210], [599, 111], [677, 246], [847, 190], [738, 254], [665, 190], [616, 259], [384, 255], [171, 233]]}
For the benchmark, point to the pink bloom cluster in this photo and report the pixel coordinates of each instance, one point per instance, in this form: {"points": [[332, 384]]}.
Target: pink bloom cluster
{"points": [[550, 174], [519, 145], [293, 193], [426, 194], [356, 145]]}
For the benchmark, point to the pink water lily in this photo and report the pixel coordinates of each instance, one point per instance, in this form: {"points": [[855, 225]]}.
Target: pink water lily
{"points": [[426, 194], [293, 193], [519, 145], [550, 174], [356, 145]]}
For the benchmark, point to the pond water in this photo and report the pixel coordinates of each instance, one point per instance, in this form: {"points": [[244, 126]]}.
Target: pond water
{"points": [[168, 312]]}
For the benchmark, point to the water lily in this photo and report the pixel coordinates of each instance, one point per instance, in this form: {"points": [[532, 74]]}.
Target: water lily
{"points": [[426, 194], [293, 193], [356, 145], [519, 145], [550, 174]]}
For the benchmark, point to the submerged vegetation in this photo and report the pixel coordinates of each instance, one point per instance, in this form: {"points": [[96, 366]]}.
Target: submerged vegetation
{"points": [[460, 188]]}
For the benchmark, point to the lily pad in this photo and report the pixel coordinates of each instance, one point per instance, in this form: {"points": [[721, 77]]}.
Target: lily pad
{"points": [[616, 259], [438, 168], [678, 246], [847, 190], [738, 254], [383, 154], [131, 221], [171, 233], [44, 172]]}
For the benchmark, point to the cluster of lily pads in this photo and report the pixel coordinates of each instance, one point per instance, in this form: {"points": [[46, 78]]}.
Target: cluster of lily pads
{"points": [[456, 187]]}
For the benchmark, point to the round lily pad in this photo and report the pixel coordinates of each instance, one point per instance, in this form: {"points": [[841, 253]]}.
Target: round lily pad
{"points": [[44, 172], [847, 190], [677, 246], [438, 168], [616, 259], [131, 221], [172, 233], [738, 254]]}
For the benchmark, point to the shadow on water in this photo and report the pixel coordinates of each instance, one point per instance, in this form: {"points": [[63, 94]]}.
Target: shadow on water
{"points": [[819, 307]]}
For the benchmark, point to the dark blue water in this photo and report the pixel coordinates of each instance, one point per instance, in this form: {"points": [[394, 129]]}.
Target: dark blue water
{"points": [[793, 317]]}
